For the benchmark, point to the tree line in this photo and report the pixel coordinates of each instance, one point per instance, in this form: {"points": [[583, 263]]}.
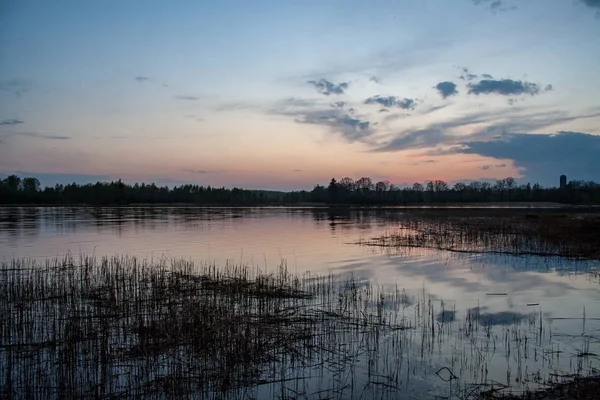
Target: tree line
{"points": [[27, 190]]}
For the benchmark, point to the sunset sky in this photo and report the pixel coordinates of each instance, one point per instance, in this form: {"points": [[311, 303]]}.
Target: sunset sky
{"points": [[286, 94]]}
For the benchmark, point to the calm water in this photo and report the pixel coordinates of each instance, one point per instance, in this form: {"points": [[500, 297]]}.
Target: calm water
{"points": [[555, 295]]}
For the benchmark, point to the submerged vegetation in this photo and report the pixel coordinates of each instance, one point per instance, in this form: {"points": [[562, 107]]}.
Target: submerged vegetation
{"points": [[574, 235], [121, 327], [16, 190]]}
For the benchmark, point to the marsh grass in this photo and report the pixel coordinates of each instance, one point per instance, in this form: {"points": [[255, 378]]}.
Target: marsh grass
{"points": [[124, 328], [118, 327], [513, 232]]}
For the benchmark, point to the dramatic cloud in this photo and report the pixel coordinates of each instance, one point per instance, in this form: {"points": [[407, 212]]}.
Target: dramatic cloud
{"points": [[544, 157], [191, 98], [446, 89], [497, 124], [11, 122], [327, 88], [506, 87], [392, 101]]}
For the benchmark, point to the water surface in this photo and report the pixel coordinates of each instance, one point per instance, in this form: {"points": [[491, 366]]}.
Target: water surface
{"points": [[552, 302]]}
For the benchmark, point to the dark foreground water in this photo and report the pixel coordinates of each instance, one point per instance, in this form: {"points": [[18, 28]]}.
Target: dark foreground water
{"points": [[539, 317]]}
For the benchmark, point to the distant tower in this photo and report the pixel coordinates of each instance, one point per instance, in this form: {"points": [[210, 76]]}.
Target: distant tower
{"points": [[563, 181]]}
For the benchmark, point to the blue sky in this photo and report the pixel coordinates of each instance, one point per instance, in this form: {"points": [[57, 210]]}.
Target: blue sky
{"points": [[284, 95]]}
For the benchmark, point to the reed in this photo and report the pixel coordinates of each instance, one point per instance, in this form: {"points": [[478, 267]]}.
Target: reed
{"points": [[514, 232], [120, 327]]}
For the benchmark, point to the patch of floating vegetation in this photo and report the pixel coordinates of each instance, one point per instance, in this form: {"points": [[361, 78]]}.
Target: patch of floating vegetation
{"points": [[504, 231], [124, 328]]}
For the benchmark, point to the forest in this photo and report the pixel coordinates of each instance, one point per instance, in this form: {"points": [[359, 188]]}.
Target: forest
{"points": [[346, 191]]}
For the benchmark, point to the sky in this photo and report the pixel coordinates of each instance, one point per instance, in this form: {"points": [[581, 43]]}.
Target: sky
{"points": [[284, 95]]}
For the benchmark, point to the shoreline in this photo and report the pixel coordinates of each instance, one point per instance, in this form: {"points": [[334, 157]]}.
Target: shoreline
{"points": [[482, 205]]}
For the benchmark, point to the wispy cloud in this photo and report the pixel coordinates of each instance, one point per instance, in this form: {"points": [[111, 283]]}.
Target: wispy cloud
{"points": [[142, 78], [392, 101], [11, 121], [327, 88], [495, 123], [37, 135], [416, 139], [195, 171], [192, 116], [446, 89], [43, 136], [15, 86], [352, 128], [375, 79], [190, 98]]}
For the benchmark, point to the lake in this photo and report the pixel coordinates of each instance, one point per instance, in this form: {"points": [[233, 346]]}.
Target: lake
{"points": [[547, 307]]}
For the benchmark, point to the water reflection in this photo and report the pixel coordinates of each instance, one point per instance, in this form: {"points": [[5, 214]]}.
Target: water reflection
{"points": [[460, 288]]}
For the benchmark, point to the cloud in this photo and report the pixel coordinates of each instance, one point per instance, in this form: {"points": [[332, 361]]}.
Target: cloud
{"points": [[506, 87], [375, 79], [297, 170], [195, 171], [142, 78], [338, 104], [544, 157], [591, 3], [417, 139], [384, 110], [43, 136], [496, 5], [15, 86], [191, 98], [467, 75], [497, 123], [39, 135], [352, 128], [327, 88], [11, 121], [192, 116], [446, 89], [392, 101]]}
